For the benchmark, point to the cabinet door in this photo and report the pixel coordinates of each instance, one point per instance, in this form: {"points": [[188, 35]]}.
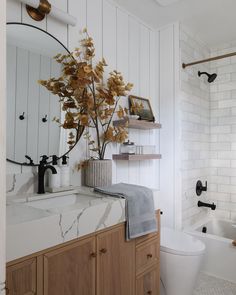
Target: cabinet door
{"points": [[149, 283], [71, 270], [21, 278], [115, 263]]}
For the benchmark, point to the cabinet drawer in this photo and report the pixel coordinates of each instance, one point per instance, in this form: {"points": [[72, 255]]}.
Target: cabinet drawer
{"points": [[149, 283], [146, 255], [147, 237]]}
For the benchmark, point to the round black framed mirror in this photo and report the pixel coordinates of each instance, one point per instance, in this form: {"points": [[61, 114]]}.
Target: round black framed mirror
{"points": [[31, 109]]}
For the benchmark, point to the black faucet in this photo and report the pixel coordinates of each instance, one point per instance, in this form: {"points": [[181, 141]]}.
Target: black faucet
{"points": [[201, 204], [43, 166]]}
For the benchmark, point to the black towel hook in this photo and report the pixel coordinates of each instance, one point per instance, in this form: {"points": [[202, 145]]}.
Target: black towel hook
{"points": [[45, 119], [22, 117]]}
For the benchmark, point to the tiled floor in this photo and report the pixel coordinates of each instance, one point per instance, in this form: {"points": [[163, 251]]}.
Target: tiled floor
{"points": [[208, 285]]}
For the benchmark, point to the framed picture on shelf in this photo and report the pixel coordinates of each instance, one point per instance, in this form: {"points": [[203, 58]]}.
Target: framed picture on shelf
{"points": [[141, 106]]}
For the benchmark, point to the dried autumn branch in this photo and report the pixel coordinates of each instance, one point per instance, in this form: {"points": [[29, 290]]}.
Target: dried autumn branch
{"points": [[87, 99]]}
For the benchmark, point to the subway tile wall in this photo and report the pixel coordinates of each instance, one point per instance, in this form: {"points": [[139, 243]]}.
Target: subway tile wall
{"points": [[223, 133], [208, 122]]}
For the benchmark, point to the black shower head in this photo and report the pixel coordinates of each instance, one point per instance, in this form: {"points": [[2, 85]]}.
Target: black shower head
{"points": [[211, 77]]}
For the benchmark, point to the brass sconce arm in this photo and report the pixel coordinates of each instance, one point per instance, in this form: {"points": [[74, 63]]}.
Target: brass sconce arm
{"points": [[38, 9], [39, 13]]}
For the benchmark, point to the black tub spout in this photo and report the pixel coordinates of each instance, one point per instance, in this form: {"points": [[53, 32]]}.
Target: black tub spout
{"points": [[202, 204]]}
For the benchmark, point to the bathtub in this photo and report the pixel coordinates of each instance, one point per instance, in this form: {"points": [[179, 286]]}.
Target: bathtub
{"points": [[220, 257]]}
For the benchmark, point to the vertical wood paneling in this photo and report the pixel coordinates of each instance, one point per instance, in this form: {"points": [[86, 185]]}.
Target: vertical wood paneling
{"points": [[11, 105], [144, 92], [44, 99], [123, 43], [21, 103], [13, 11], [95, 30], [144, 62], [177, 130], [128, 46], [78, 8], [167, 120], [109, 35], [29, 72], [54, 111], [2, 143], [134, 68], [109, 52], [33, 103], [154, 98], [54, 26], [122, 167], [94, 24]]}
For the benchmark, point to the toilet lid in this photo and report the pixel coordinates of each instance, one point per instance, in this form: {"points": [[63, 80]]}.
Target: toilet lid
{"points": [[180, 243]]}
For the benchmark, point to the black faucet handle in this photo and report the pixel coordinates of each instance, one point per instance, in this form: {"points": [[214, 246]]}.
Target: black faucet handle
{"points": [[44, 160], [55, 159], [30, 159], [200, 188], [213, 206], [204, 188]]}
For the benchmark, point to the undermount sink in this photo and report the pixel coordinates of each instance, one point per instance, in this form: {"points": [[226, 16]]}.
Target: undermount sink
{"points": [[61, 203]]}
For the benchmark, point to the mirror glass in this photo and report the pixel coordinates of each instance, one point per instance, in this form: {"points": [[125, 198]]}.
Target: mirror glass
{"points": [[31, 108]]}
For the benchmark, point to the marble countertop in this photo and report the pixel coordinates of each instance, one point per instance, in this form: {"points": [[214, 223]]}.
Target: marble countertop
{"points": [[38, 222], [35, 223]]}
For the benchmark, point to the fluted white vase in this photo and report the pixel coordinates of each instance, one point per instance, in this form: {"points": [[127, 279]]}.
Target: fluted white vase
{"points": [[98, 173]]}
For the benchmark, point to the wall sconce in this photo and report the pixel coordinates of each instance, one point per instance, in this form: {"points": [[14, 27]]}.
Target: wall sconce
{"points": [[38, 9]]}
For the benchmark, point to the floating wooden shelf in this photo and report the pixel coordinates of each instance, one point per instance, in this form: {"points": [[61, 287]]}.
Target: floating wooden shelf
{"points": [[136, 124], [127, 157]]}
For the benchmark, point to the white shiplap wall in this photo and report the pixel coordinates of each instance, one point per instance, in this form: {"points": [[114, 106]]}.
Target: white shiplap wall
{"points": [[129, 46], [170, 195], [30, 136], [2, 146]]}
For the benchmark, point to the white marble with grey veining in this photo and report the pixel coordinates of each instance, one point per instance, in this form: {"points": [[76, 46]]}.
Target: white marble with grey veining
{"points": [[21, 183], [34, 225], [2, 288]]}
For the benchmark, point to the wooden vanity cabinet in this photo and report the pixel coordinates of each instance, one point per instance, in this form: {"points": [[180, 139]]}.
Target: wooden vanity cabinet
{"points": [[102, 263], [71, 269], [148, 263], [148, 284], [115, 263], [21, 278]]}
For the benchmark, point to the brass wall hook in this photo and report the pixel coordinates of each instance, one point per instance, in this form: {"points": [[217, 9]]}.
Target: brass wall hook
{"points": [[38, 14]]}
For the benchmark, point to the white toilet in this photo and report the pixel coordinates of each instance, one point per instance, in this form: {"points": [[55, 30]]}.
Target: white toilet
{"points": [[181, 258]]}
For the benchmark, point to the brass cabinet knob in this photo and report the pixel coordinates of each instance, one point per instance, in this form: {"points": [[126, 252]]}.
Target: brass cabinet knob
{"points": [[93, 255], [103, 251], [149, 255]]}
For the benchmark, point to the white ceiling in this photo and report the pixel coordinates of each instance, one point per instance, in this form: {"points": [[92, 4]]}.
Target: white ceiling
{"points": [[214, 21]]}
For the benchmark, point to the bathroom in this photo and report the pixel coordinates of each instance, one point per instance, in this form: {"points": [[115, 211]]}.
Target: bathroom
{"points": [[182, 154]]}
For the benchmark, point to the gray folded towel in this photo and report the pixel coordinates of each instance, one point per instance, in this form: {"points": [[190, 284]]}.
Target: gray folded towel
{"points": [[140, 212]]}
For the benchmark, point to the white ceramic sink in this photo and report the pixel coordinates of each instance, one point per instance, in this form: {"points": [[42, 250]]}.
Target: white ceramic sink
{"points": [[63, 203], [55, 202]]}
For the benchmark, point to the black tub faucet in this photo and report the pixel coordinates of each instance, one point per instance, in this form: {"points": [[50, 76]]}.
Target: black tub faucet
{"points": [[43, 166], [201, 204]]}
